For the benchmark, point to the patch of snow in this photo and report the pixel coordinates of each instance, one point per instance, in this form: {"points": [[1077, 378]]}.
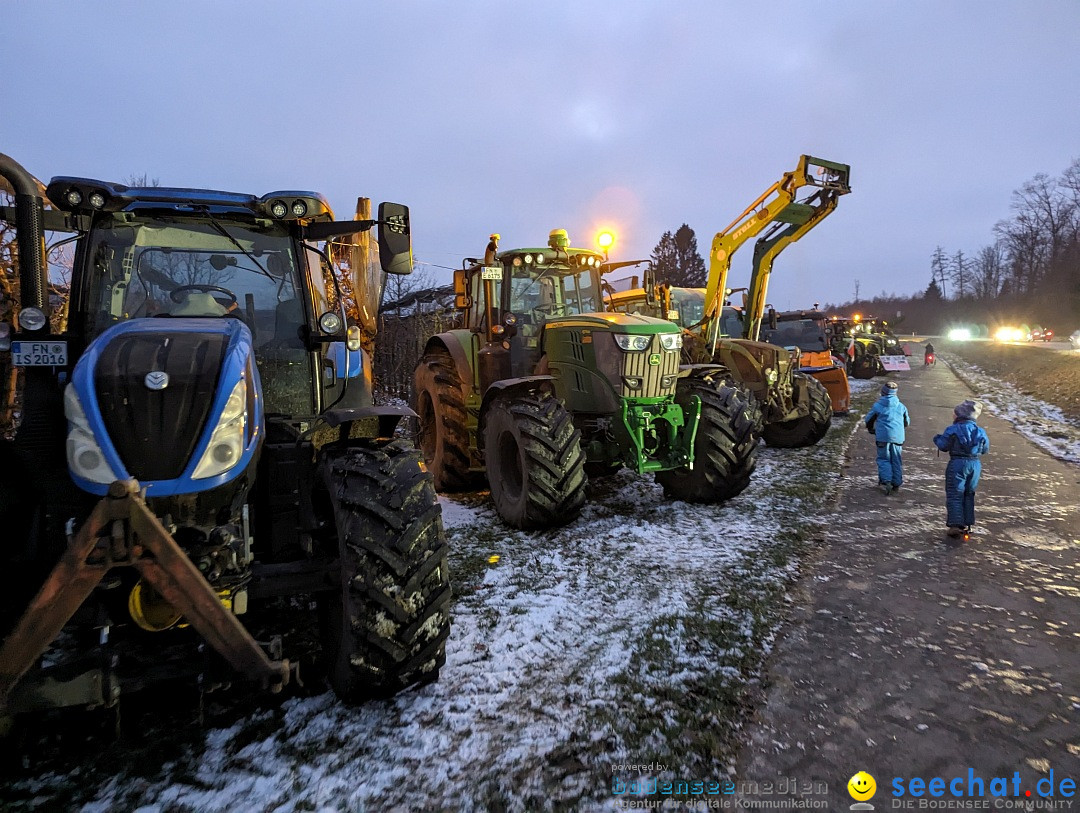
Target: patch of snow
{"points": [[554, 643], [1043, 424]]}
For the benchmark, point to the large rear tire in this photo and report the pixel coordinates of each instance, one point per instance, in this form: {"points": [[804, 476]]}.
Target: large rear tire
{"points": [[444, 431], [389, 627], [866, 366], [725, 447], [534, 461], [808, 429]]}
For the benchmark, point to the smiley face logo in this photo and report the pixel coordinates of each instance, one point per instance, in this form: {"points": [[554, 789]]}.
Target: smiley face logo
{"points": [[861, 786]]}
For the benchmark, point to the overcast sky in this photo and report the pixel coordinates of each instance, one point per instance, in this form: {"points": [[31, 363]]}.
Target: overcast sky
{"points": [[521, 117]]}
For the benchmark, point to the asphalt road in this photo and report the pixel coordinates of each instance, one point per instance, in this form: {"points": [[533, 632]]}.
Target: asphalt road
{"points": [[910, 655]]}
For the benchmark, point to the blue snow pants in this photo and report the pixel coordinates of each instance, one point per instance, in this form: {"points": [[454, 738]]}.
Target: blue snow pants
{"points": [[890, 463], [961, 478]]}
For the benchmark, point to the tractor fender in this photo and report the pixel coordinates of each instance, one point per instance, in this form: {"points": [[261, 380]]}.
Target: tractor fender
{"points": [[509, 386], [702, 370], [388, 416], [454, 343]]}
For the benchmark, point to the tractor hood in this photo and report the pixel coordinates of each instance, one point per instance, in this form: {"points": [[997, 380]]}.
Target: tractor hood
{"points": [[615, 322], [174, 403]]}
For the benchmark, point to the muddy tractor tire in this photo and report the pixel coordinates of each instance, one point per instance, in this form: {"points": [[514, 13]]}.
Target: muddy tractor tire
{"points": [[444, 432], [866, 365], [387, 627], [725, 448], [535, 465], [808, 429]]}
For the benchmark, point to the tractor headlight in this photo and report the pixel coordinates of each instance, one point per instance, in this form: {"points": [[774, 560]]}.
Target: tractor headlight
{"points": [[227, 441], [628, 341], [671, 341], [84, 456], [771, 376]]}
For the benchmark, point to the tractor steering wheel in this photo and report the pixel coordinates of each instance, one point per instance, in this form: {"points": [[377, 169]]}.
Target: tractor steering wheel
{"points": [[552, 309], [176, 294]]}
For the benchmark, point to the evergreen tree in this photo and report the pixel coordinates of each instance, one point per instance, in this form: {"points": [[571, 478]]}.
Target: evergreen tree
{"points": [[677, 260], [665, 258], [933, 292], [691, 265]]}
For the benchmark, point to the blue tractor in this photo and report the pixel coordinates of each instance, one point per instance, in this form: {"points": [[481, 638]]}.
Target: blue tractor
{"points": [[199, 447]]}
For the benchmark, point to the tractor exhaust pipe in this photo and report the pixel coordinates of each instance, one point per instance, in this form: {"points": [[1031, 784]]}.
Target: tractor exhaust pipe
{"points": [[30, 227]]}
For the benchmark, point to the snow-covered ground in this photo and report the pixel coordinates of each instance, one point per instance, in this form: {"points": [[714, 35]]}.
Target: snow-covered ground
{"points": [[1043, 424], [630, 637]]}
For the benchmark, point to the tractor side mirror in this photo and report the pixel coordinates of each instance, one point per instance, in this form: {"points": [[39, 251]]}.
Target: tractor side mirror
{"points": [[773, 321], [395, 239], [462, 300]]}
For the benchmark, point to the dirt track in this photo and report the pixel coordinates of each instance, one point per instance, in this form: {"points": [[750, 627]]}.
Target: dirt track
{"points": [[913, 657]]}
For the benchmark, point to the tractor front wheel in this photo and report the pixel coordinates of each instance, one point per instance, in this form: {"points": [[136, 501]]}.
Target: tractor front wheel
{"points": [[725, 448], [388, 623], [534, 461], [807, 429]]}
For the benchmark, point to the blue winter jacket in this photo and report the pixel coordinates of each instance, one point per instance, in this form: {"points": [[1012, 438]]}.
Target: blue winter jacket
{"points": [[888, 417], [964, 438]]}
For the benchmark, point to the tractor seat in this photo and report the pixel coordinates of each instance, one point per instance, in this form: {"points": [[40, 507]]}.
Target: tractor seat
{"points": [[198, 303], [288, 317]]}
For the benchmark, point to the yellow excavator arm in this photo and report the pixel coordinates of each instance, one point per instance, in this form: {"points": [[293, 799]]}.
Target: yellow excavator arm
{"points": [[789, 220]]}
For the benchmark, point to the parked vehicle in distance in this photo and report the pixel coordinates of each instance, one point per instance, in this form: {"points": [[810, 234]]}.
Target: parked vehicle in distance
{"points": [[1075, 339], [1040, 334]]}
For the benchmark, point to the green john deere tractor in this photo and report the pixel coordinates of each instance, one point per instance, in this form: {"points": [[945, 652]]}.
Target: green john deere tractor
{"points": [[541, 389]]}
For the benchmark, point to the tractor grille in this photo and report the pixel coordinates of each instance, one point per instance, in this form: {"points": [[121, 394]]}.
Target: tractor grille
{"points": [[155, 431], [657, 380]]}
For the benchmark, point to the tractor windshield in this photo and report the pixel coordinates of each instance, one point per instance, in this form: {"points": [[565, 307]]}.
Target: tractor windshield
{"points": [[690, 304], [547, 292], [806, 334], [731, 323], [148, 267]]}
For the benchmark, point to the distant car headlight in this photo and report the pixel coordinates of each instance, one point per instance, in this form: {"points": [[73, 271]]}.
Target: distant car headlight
{"points": [[227, 441], [671, 341], [629, 341], [960, 334], [84, 455]]}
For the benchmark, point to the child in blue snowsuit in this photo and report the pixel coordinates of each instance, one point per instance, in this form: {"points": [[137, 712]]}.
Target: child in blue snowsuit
{"points": [[965, 441], [887, 419]]}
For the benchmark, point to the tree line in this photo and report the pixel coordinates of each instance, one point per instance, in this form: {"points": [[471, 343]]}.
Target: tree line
{"points": [[1029, 273]]}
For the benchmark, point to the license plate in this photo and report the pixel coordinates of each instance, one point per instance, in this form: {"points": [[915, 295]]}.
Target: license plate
{"points": [[39, 354], [491, 272]]}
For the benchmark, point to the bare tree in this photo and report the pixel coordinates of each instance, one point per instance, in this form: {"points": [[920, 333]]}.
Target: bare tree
{"points": [[938, 265], [960, 273], [988, 271]]}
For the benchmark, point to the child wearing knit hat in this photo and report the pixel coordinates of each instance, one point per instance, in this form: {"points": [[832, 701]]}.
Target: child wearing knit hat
{"points": [[887, 420], [965, 441]]}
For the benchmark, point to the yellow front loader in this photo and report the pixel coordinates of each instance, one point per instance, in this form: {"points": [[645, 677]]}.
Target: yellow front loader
{"points": [[796, 408]]}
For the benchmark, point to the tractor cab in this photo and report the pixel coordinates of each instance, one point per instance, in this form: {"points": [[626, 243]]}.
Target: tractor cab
{"points": [[513, 295]]}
